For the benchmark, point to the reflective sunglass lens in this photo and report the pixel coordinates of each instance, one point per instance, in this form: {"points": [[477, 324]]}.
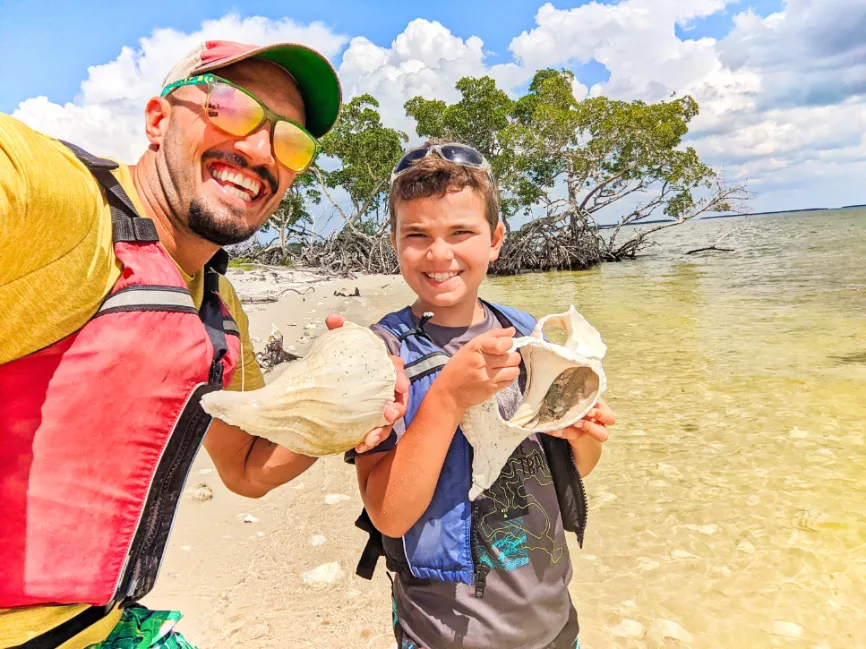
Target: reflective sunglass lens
{"points": [[293, 147], [462, 155], [232, 110], [407, 160]]}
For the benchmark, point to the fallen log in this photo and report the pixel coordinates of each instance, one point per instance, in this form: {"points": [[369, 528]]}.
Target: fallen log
{"points": [[691, 252]]}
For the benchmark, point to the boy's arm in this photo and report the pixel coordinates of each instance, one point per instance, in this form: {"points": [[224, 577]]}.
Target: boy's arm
{"points": [[397, 486], [587, 453]]}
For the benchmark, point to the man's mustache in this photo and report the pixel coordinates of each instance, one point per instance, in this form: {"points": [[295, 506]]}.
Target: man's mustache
{"points": [[239, 161]]}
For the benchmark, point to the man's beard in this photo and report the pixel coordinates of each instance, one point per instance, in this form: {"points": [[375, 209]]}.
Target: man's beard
{"points": [[223, 232]]}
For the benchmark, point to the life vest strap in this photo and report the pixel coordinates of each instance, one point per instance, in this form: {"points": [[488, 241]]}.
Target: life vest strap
{"points": [[426, 365], [64, 632], [127, 224], [148, 298]]}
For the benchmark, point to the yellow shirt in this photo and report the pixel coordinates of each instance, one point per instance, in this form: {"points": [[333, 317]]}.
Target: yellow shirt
{"points": [[57, 264]]}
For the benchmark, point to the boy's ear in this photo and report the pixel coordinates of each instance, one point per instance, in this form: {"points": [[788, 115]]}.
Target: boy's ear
{"points": [[496, 244]]}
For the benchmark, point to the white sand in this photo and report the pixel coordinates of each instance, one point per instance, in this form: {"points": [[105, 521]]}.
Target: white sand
{"points": [[242, 583]]}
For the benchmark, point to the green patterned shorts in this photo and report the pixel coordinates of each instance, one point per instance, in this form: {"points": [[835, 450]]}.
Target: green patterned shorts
{"points": [[141, 628]]}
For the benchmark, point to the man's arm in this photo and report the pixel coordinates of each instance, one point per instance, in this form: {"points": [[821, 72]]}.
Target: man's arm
{"points": [[251, 466]]}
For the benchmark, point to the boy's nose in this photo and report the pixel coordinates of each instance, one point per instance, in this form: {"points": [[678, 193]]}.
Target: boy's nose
{"points": [[439, 250]]}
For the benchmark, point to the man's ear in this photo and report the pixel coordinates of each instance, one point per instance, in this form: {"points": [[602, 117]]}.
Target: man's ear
{"points": [[496, 244], [156, 115]]}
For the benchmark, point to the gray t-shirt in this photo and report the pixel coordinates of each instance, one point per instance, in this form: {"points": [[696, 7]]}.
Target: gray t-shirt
{"points": [[526, 602]]}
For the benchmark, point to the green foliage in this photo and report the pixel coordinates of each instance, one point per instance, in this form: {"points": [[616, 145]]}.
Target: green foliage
{"points": [[294, 208], [599, 150], [479, 119], [556, 159], [366, 152]]}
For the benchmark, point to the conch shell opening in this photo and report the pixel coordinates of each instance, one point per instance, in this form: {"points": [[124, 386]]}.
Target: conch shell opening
{"points": [[322, 404], [563, 382]]}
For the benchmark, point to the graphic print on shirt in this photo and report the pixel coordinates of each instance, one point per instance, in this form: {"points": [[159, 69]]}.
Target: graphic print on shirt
{"points": [[506, 507]]}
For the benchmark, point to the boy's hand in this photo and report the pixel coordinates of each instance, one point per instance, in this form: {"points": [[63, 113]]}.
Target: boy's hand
{"points": [[593, 424], [481, 368], [394, 410]]}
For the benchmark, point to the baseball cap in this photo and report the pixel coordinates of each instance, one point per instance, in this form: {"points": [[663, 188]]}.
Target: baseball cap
{"points": [[316, 78]]}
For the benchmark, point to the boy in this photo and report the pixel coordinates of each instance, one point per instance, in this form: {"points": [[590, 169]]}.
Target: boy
{"points": [[493, 573]]}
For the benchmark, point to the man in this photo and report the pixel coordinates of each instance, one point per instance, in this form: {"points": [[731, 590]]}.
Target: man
{"points": [[118, 318]]}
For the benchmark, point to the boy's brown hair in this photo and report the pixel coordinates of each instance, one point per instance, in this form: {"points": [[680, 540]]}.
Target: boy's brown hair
{"points": [[434, 176]]}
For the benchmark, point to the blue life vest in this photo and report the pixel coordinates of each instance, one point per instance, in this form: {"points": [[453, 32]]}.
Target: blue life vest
{"points": [[440, 544]]}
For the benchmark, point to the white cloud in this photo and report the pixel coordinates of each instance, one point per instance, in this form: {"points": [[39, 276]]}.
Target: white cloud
{"points": [[778, 95], [108, 115], [782, 98], [426, 59]]}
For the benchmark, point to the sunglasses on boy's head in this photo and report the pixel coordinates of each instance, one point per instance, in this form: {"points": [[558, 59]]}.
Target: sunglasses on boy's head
{"points": [[459, 154], [238, 112]]}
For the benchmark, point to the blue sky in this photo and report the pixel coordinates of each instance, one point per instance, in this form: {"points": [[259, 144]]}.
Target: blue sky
{"points": [[86, 33], [781, 84]]}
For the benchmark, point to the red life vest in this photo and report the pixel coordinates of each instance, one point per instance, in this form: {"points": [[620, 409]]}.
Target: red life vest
{"points": [[100, 429]]}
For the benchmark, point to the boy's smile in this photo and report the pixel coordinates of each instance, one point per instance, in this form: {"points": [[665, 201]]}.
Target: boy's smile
{"points": [[444, 245]]}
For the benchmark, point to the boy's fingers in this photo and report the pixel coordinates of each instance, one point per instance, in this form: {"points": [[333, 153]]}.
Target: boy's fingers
{"points": [[504, 360], [594, 430], [604, 417], [602, 413], [504, 376], [494, 345]]}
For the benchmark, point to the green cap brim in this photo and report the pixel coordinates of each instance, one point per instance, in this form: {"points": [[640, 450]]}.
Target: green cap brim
{"points": [[317, 81]]}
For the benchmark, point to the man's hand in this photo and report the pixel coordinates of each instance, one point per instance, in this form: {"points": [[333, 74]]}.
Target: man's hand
{"points": [[393, 410]]}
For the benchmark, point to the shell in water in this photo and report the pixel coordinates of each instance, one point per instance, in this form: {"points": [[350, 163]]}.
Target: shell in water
{"points": [[563, 382], [322, 404]]}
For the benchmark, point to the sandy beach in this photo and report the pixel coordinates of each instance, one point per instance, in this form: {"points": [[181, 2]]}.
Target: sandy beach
{"points": [[723, 513], [238, 568]]}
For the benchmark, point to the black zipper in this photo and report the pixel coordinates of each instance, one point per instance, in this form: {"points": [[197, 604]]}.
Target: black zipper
{"points": [[480, 570], [582, 505], [182, 456]]}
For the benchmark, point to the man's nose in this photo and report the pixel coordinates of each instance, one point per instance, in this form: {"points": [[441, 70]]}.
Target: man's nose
{"points": [[257, 147]]}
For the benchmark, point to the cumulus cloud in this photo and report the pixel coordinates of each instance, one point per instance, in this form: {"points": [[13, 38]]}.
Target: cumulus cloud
{"points": [[778, 94], [426, 59], [107, 115], [809, 54], [782, 97]]}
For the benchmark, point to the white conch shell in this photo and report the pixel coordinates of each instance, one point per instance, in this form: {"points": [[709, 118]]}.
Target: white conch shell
{"points": [[563, 382], [322, 404]]}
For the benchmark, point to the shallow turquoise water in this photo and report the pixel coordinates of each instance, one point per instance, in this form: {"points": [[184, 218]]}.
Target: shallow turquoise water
{"points": [[731, 498]]}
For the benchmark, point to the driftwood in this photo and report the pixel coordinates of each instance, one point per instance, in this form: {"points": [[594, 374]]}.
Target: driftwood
{"points": [[352, 251], [716, 244], [274, 354], [542, 245], [691, 252], [357, 293]]}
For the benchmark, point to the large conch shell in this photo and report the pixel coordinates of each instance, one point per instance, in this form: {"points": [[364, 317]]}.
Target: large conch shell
{"points": [[563, 382], [322, 404]]}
